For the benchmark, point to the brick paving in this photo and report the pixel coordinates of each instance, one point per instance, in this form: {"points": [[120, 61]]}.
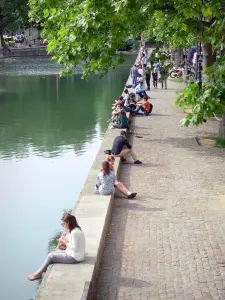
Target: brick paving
{"points": [[169, 242]]}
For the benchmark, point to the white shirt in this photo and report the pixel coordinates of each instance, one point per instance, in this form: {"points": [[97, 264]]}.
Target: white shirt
{"points": [[127, 100], [139, 79], [144, 60], [194, 60], [76, 245], [140, 71], [138, 88]]}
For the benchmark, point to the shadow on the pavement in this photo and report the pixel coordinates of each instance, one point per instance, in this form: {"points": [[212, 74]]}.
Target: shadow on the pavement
{"points": [[132, 282], [151, 165], [89, 260], [190, 144], [158, 115], [181, 142], [139, 207]]}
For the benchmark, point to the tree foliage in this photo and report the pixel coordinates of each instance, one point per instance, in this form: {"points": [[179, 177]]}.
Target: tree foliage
{"points": [[209, 100], [13, 13], [91, 30]]}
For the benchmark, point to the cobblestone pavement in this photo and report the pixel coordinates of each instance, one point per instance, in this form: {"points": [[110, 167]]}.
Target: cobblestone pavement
{"points": [[169, 242]]}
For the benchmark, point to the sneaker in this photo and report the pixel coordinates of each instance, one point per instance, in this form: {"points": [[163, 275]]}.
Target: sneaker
{"points": [[137, 162], [132, 195]]}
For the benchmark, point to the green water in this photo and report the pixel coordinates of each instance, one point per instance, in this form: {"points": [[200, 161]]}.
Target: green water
{"points": [[50, 132]]}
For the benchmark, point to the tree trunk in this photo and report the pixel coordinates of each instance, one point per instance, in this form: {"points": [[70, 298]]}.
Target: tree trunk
{"points": [[1, 38], [177, 57], [222, 127], [208, 56]]}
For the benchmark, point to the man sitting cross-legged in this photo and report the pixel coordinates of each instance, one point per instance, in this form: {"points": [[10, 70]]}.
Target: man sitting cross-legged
{"points": [[145, 106], [118, 145]]}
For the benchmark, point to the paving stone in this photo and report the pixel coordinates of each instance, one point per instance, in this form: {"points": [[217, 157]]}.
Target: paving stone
{"points": [[168, 242]]}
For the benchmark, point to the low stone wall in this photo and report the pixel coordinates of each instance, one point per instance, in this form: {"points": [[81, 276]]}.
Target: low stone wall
{"points": [[76, 282], [24, 52], [79, 281], [93, 213]]}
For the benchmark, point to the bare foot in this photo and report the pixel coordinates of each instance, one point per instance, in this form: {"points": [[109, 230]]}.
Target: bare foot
{"points": [[34, 276]]}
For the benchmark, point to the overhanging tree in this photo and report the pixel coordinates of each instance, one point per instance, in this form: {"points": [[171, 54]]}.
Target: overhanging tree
{"points": [[13, 14], [92, 30]]}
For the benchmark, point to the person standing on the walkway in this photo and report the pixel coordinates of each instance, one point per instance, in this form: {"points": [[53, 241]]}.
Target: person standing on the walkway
{"points": [[118, 148], [144, 61], [155, 78], [148, 78], [156, 66], [163, 77], [134, 74]]}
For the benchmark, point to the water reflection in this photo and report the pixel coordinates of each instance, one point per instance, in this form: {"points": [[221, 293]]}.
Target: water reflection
{"points": [[24, 67], [50, 132], [43, 114]]}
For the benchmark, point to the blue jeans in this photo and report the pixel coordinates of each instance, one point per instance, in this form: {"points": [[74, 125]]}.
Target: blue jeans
{"points": [[118, 126], [135, 112], [134, 81], [140, 108], [142, 93]]}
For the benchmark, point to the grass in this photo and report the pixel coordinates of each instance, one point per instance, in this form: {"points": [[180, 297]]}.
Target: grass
{"points": [[180, 79], [220, 142]]}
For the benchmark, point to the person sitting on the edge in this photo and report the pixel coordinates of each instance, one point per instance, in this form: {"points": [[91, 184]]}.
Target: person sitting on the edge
{"points": [[75, 248], [119, 143], [126, 98], [127, 107], [123, 121], [65, 234], [107, 182], [146, 107], [140, 91], [119, 185]]}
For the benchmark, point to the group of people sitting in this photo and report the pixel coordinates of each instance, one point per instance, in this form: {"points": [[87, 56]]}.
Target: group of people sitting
{"points": [[107, 182], [71, 244], [127, 103]]}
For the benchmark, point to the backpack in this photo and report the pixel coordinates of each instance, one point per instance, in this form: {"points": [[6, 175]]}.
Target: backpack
{"points": [[151, 108]]}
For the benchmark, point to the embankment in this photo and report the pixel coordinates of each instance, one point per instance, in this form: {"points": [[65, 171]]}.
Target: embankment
{"points": [[76, 282]]}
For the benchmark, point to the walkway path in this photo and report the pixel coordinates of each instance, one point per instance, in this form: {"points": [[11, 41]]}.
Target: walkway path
{"points": [[169, 242]]}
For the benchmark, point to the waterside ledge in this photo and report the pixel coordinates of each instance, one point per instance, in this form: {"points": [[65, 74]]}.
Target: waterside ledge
{"points": [[79, 281]]}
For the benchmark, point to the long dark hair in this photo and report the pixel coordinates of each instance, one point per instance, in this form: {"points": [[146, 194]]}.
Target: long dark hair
{"points": [[65, 215], [105, 168], [72, 222]]}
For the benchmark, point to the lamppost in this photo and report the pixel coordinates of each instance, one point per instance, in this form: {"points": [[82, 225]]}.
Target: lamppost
{"points": [[199, 65]]}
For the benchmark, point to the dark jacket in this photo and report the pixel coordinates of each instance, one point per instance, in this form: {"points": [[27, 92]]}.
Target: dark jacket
{"points": [[154, 75], [118, 144]]}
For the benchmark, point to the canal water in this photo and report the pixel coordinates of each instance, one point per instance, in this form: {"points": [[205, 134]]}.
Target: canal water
{"points": [[50, 131]]}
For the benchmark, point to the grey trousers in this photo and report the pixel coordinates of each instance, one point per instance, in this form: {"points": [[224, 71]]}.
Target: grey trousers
{"points": [[165, 83], [57, 258]]}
